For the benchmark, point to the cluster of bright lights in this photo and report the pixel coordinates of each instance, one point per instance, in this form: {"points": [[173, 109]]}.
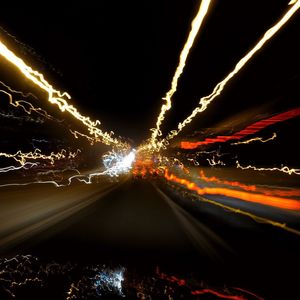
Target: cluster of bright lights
{"points": [[109, 281], [117, 163]]}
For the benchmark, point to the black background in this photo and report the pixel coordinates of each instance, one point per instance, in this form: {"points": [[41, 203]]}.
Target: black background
{"points": [[117, 58]]}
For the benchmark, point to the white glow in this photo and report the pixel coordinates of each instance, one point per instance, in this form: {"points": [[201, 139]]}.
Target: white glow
{"points": [[116, 163]]}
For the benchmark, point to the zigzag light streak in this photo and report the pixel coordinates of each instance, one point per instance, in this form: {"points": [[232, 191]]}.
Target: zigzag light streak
{"points": [[256, 140], [26, 166], [284, 169], [205, 101], [56, 97], [21, 157], [196, 25]]}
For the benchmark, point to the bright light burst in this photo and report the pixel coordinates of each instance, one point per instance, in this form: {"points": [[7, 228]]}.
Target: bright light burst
{"points": [[117, 163]]}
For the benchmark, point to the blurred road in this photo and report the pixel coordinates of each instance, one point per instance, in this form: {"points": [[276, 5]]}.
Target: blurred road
{"points": [[143, 224]]}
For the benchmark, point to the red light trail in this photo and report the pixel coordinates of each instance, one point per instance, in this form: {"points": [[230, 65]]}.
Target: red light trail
{"points": [[251, 129]]}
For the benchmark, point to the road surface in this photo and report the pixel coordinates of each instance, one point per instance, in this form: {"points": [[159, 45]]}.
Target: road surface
{"points": [[140, 224]]}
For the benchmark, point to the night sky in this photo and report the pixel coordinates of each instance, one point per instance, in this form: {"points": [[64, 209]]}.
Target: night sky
{"points": [[225, 211], [117, 58]]}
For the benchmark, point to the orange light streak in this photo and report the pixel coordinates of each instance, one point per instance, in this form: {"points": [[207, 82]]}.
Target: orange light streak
{"points": [[201, 191], [250, 188], [278, 202]]}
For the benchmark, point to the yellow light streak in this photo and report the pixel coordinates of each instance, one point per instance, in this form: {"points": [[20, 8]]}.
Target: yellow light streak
{"points": [[284, 169], [195, 27], [56, 97], [256, 139], [76, 134], [22, 158], [25, 105], [205, 101]]}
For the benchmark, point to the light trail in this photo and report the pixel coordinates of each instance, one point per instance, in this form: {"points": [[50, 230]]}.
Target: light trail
{"points": [[294, 205], [25, 105], [196, 25], [283, 203], [78, 134], [205, 101], [56, 97], [283, 169], [115, 164], [213, 162], [118, 163], [25, 166], [251, 129], [273, 137], [250, 188], [22, 158]]}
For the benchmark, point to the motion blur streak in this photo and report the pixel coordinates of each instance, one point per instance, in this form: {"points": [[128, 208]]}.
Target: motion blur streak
{"points": [[251, 129], [273, 137], [56, 97], [250, 188], [192, 187], [21, 157], [284, 203], [25, 166], [25, 105], [223, 295], [35, 214], [196, 24], [284, 169], [76, 134], [205, 101]]}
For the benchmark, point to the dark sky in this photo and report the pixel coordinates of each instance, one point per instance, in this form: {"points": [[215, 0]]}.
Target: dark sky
{"points": [[117, 58]]}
